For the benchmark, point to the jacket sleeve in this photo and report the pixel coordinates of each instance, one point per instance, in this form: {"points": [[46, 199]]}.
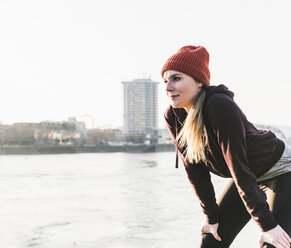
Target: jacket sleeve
{"points": [[228, 127], [198, 176]]}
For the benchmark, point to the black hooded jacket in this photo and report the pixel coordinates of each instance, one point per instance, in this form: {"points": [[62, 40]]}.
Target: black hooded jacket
{"points": [[235, 148]]}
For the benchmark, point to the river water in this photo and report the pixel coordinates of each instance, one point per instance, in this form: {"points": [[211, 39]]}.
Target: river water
{"points": [[102, 200]]}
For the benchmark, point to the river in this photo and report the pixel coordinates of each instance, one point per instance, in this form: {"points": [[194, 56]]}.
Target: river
{"points": [[101, 200]]}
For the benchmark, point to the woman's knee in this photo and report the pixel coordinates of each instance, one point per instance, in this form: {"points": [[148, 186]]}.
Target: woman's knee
{"points": [[208, 241]]}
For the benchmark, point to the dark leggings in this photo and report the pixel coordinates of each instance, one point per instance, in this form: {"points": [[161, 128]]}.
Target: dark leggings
{"points": [[234, 216]]}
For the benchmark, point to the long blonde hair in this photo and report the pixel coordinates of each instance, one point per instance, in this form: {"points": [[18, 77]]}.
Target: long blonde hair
{"points": [[193, 134]]}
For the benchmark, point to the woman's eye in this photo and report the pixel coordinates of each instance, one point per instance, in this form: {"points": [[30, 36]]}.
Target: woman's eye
{"points": [[176, 78]]}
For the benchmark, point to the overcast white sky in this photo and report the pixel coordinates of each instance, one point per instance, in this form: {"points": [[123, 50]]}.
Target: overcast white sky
{"points": [[63, 58]]}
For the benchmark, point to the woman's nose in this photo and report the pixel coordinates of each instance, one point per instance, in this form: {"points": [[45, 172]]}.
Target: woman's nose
{"points": [[169, 87]]}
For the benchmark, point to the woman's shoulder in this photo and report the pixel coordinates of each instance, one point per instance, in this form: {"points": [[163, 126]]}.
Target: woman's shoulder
{"points": [[218, 94], [219, 103]]}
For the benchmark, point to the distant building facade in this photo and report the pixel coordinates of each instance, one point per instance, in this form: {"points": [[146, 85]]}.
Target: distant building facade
{"points": [[140, 112], [101, 137], [164, 136], [69, 132]]}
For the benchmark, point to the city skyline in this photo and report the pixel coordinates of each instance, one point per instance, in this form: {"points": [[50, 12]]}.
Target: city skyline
{"points": [[68, 58]]}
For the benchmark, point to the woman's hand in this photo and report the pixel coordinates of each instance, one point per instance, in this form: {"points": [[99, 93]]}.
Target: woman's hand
{"points": [[211, 228], [276, 237]]}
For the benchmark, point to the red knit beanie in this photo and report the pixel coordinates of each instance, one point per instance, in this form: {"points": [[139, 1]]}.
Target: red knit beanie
{"points": [[191, 60]]}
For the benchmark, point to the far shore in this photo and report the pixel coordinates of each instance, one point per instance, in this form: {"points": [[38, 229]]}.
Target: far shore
{"points": [[67, 149]]}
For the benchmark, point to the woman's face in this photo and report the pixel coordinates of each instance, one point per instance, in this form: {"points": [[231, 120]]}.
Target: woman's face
{"points": [[181, 89]]}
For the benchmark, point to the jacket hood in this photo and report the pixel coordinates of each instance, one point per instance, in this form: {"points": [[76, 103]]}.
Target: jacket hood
{"points": [[219, 89]]}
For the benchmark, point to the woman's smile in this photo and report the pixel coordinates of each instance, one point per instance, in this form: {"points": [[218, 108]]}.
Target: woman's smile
{"points": [[173, 96]]}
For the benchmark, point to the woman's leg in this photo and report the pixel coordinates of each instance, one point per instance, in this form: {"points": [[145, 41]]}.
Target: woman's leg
{"points": [[278, 192], [233, 216]]}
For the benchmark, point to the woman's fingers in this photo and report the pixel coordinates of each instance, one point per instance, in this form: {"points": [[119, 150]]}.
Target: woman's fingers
{"points": [[287, 237], [216, 236], [211, 228], [285, 241], [280, 243]]}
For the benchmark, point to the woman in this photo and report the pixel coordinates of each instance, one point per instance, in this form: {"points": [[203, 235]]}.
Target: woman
{"points": [[212, 134]]}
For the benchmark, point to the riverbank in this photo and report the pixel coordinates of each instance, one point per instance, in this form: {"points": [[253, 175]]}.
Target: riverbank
{"points": [[141, 148]]}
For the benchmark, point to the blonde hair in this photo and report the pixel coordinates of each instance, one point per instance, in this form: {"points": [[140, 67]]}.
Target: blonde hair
{"points": [[193, 134]]}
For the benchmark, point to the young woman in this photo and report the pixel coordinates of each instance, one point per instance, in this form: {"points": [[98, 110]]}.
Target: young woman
{"points": [[212, 134]]}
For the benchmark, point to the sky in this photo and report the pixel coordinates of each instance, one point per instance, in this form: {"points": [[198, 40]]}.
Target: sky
{"points": [[63, 58]]}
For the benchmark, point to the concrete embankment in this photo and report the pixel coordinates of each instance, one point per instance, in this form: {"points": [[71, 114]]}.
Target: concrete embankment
{"points": [[21, 150]]}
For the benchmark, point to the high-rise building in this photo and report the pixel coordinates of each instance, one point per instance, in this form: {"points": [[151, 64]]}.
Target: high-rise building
{"points": [[140, 110]]}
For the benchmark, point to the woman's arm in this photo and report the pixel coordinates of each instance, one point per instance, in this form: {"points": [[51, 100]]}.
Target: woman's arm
{"points": [[198, 176], [226, 120], [200, 180]]}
